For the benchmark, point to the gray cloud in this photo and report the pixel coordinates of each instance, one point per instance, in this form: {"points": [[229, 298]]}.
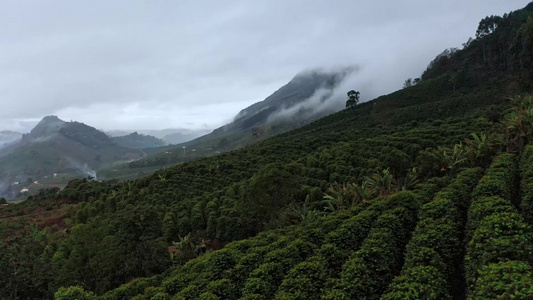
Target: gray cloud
{"points": [[144, 64]]}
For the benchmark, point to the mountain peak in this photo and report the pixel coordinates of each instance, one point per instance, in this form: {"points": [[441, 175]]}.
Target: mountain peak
{"points": [[51, 118], [48, 125]]}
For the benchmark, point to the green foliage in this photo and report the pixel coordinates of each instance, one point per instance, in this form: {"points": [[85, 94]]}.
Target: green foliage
{"points": [[499, 237], [223, 289], [353, 99], [304, 281], [373, 267], [434, 249], [191, 292], [497, 233], [500, 178], [504, 280], [484, 207], [73, 293], [421, 282], [208, 296], [526, 184], [368, 273]]}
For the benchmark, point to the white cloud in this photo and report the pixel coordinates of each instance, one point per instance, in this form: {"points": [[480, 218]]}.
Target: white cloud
{"points": [[136, 64]]}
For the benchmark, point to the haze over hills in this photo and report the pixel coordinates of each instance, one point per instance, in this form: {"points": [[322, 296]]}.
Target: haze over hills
{"points": [[8, 136], [56, 146], [138, 141], [170, 135], [307, 97]]}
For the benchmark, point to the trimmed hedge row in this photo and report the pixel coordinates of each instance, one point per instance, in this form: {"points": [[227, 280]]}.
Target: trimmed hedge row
{"points": [[371, 268], [435, 248], [526, 184], [500, 179], [499, 237], [134, 287], [269, 277], [305, 280], [421, 282], [504, 280], [253, 265], [308, 279], [498, 183], [500, 240], [295, 262]]}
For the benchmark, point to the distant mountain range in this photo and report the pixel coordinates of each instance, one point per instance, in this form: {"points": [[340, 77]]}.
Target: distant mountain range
{"points": [[55, 146], [138, 141], [169, 136], [58, 146], [7, 137]]}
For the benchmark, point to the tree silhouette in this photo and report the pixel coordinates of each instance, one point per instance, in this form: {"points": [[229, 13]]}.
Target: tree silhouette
{"points": [[353, 99]]}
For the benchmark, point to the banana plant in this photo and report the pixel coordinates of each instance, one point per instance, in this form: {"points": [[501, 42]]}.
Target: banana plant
{"points": [[380, 184]]}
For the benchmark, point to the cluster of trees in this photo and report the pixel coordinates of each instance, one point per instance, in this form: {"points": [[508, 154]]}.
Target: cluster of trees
{"points": [[502, 45], [411, 82], [325, 210]]}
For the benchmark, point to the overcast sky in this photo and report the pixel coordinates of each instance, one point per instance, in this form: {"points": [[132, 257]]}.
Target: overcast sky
{"points": [[196, 64]]}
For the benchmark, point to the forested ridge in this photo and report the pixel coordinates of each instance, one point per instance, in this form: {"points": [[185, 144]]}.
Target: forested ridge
{"points": [[425, 193]]}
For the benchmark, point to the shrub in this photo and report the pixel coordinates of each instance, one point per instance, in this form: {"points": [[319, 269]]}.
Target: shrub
{"points": [[484, 207], [438, 209], [352, 232], [174, 284], [526, 173], [441, 237], [223, 289], [222, 260], [504, 280], [373, 266], [334, 258], [73, 293], [257, 286], [208, 296], [500, 178], [335, 294], [160, 296], [421, 282], [189, 293], [304, 281], [246, 265], [500, 237]]}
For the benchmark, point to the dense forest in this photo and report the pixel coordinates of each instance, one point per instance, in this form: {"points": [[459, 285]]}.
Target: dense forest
{"points": [[425, 193]]}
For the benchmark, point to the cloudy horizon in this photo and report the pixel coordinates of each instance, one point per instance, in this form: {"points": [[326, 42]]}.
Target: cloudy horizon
{"points": [[127, 65]]}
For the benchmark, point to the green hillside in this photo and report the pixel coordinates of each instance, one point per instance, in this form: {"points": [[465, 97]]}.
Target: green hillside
{"points": [[57, 147], [138, 141], [425, 193]]}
